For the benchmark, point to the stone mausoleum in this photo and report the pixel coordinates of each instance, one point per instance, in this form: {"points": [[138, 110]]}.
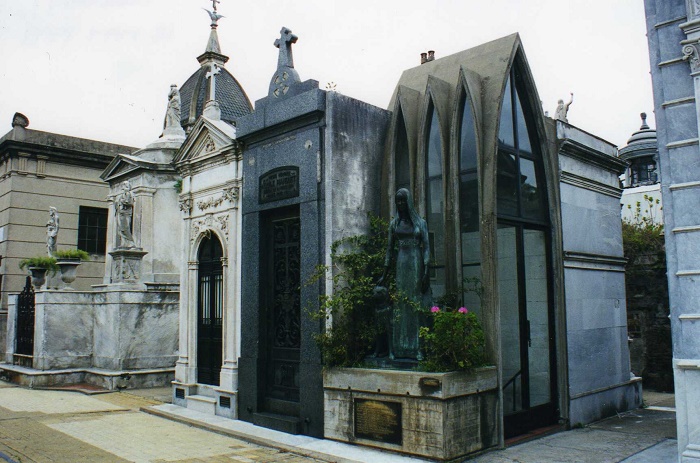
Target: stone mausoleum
{"points": [[236, 206], [527, 205]]}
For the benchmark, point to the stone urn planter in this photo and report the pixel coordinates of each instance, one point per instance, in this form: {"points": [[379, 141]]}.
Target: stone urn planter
{"points": [[441, 416], [38, 276], [69, 269]]}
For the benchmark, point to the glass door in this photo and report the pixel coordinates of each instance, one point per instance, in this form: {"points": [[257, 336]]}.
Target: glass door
{"points": [[527, 341]]}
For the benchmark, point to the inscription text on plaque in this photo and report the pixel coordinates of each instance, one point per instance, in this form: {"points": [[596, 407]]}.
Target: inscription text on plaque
{"points": [[280, 183], [378, 420]]}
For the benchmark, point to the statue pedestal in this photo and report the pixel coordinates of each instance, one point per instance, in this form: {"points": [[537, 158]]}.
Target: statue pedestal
{"points": [[126, 265]]}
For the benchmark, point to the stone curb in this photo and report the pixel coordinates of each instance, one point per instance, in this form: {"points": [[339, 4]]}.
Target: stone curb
{"points": [[253, 439], [267, 442]]}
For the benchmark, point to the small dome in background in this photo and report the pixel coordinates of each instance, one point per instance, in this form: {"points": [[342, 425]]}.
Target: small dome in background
{"points": [[641, 143]]}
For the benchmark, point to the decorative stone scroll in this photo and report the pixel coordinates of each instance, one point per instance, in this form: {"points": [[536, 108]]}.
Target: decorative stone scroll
{"points": [[231, 195], [186, 205], [209, 222], [205, 204], [691, 53]]}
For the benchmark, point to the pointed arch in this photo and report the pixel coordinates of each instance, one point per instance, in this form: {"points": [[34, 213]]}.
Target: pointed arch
{"points": [[466, 163], [524, 253], [432, 185]]}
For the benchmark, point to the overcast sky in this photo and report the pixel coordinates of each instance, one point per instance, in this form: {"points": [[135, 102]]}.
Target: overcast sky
{"points": [[101, 69]]}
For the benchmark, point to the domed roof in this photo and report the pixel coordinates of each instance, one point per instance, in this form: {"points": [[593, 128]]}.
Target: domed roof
{"points": [[641, 143], [195, 92]]}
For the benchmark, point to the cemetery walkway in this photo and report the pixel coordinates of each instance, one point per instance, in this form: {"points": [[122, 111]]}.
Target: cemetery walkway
{"points": [[61, 426]]}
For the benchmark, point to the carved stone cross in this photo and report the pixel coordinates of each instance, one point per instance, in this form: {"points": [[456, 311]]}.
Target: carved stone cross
{"points": [[284, 43], [213, 71], [213, 4], [285, 74]]}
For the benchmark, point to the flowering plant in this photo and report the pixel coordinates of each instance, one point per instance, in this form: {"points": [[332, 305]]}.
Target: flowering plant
{"points": [[454, 340]]}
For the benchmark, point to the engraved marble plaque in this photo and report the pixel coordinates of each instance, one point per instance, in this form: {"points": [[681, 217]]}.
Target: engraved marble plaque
{"points": [[280, 183], [378, 420]]}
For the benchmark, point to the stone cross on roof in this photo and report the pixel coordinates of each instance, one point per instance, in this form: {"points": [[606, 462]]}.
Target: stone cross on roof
{"points": [[285, 74], [284, 43], [213, 71]]}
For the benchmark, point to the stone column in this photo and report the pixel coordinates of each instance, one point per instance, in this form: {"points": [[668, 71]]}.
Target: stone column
{"points": [[680, 188], [143, 227], [111, 238]]}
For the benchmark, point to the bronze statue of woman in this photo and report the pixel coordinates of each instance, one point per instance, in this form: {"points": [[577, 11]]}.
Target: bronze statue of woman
{"points": [[409, 248]]}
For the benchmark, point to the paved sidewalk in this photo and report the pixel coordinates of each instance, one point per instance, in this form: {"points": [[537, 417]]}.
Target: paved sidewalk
{"points": [[64, 426], [41, 426]]}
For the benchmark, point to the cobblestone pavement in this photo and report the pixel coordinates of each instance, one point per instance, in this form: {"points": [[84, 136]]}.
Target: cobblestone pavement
{"points": [[60, 426]]}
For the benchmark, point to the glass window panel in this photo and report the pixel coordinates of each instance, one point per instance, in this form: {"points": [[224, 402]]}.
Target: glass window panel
{"points": [[401, 160], [471, 274], [435, 221], [507, 187], [434, 146], [505, 130], [507, 256], [92, 229], [435, 205], [467, 147], [468, 186], [532, 204], [534, 245], [523, 137], [469, 202]]}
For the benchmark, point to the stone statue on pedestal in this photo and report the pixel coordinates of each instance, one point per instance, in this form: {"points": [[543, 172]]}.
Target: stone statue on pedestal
{"points": [[409, 250], [124, 210], [52, 228], [563, 109]]}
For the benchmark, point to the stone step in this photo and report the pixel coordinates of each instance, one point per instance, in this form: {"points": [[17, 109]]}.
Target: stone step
{"points": [[284, 423], [200, 403]]}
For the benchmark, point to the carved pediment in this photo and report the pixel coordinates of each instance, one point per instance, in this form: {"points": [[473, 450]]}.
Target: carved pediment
{"points": [[206, 140], [119, 167]]}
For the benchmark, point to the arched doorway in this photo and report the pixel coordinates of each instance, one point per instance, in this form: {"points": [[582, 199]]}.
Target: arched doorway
{"points": [[210, 310]]}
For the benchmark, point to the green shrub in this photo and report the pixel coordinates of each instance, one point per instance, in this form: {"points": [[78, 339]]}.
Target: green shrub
{"points": [[71, 254], [454, 341], [358, 262], [46, 262]]}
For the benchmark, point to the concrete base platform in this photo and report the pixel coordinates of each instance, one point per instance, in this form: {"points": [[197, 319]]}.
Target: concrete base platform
{"points": [[111, 380]]}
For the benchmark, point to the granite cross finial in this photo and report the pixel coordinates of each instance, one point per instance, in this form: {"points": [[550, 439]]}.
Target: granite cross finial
{"points": [[213, 4], [284, 43], [285, 74]]}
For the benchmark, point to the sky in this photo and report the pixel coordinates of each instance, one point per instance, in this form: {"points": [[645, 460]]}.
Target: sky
{"points": [[102, 69]]}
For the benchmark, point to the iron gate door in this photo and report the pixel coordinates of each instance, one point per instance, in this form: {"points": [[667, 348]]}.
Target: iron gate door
{"points": [[210, 311], [25, 320], [283, 316]]}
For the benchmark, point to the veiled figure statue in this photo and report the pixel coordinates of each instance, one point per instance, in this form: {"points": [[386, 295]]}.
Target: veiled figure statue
{"points": [[409, 251]]}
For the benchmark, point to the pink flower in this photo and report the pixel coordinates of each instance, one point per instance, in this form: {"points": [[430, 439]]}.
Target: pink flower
{"points": [[435, 309], [463, 310]]}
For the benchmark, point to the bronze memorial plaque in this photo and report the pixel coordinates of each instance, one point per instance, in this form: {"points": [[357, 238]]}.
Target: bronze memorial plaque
{"points": [[280, 183], [378, 420]]}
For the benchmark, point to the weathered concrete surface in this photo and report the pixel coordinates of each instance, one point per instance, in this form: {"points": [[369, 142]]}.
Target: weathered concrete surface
{"points": [[39, 426], [608, 441]]}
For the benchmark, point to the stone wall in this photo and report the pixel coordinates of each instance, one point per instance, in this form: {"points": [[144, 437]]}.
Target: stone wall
{"points": [[594, 278], [102, 334]]}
